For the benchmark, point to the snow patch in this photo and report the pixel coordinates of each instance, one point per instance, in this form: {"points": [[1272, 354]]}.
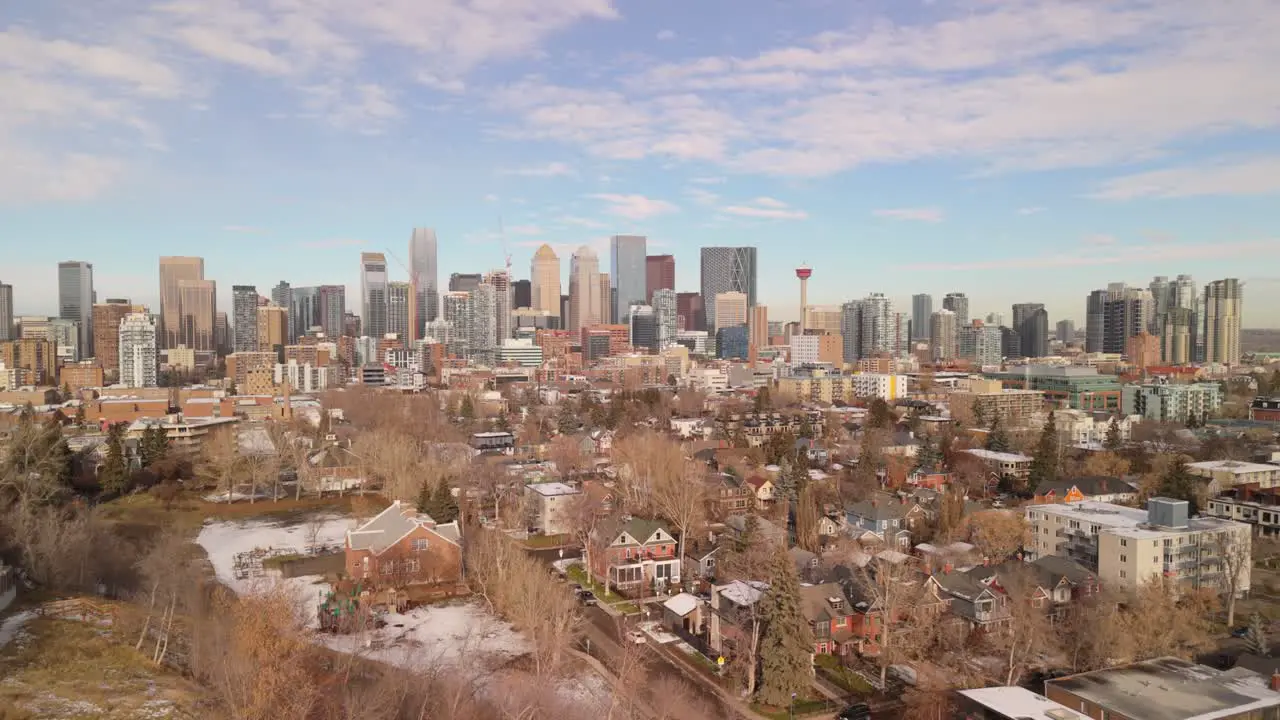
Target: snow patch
{"points": [[13, 625]]}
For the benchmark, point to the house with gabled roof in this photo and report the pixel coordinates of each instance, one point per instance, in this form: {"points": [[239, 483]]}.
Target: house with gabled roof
{"points": [[1089, 487], [884, 517], [633, 555], [400, 547], [830, 615]]}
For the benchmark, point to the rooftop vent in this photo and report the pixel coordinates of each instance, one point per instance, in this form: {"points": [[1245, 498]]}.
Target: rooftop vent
{"points": [[1168, 513], [1061, 714]]}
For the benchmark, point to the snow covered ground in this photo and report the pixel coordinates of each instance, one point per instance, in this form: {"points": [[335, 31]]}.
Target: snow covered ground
{"points": [[12, 625]]}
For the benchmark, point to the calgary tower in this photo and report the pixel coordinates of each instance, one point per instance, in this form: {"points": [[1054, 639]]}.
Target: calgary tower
{"points": [[803, 272]]}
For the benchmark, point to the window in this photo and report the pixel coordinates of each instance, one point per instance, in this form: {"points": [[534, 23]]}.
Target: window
{"points": [[419, 545], [1124, 558], [1123, 574], [1124, 542]]}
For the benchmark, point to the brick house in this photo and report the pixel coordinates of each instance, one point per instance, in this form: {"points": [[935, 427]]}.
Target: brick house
{"points": [[634, 554], [401, 547], [831, 616]]}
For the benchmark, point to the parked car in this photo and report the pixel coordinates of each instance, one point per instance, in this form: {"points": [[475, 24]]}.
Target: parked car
{"points": [[635, 636], [859, 711], [1240, 631], [587, 598]]}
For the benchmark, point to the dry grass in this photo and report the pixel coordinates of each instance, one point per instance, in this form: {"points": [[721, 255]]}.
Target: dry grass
{"points": [[142, 514], [64, 669]]}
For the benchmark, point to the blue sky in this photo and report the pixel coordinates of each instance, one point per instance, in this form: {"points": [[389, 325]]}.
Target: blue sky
{"points": [[1015, 150]]}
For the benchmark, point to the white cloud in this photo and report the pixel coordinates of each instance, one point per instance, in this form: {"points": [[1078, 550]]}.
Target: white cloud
{"points": [[551, 169], [766, 208], [701, 196], [1032, 210], [1099, 239], [30, 176], [635, 207], [1254, 176], [666, 35], [711, 180], [580, 221], [1032, 84], [921, 214]]}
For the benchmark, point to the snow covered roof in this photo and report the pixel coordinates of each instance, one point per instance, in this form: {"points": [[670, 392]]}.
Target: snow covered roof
{"points": [[998, 456], [389, 526], [682, 604], [552, 489], [743, 594], [1016, 702]]}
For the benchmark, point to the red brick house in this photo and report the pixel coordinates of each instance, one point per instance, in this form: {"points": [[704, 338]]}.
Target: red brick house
{"points": [[632, 555], [401, 547], [831, 616]]}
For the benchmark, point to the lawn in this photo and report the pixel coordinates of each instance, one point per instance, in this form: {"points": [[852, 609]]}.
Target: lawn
{"points": [[546, 541], [617, 602], [830, 668], [803, 706], [142, 513], [68, 669]]}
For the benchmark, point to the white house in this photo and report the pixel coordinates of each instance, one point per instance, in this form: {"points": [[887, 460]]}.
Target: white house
{"points": [[549, 506]]}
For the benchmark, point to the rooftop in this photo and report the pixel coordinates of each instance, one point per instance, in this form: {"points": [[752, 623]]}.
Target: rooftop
{"points": [[1016, 702], [1233, 466], [998, 456], [1131, 522], [552, 489], [1172, 689]]}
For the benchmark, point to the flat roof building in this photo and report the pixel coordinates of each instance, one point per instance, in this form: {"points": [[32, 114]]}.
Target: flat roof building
{"points": [[1167, 689]]}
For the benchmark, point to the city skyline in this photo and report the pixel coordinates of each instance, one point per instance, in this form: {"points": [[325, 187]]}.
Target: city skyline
{"points": [[875, 143]]}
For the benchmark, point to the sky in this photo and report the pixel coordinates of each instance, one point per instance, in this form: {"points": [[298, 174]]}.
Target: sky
{"points": [[1013, 150]]}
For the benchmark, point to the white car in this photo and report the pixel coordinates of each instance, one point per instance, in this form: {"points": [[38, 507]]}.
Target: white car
{"points": [[636, 637]]}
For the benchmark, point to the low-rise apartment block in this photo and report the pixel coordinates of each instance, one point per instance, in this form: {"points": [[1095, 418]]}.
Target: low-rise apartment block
{"points": [[1128, 547], [1226, 474], [1013, 465], [1171, 403], [549, 506]]}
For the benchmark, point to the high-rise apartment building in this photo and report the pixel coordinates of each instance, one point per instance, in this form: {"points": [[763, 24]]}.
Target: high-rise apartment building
{"points": [[1177, 337], [373, 293], [244, 318], [877, 332], [75, 300], [455, 308], [544, 278], [1095, 321], [731, 309], [221, 332], [643, 328], [943, 334], [727, 269], [331, 312], [665, 315], [400, 301], [484, 329], [1222, 303], [138, 352], [957, 303], [981, 344], [502, 293], [6, 312], [424, 278], [1127, 311], [921, 310], [1161, 291], [173, 271], [691, 312], [1031, 321], [606, 303], [273, 325], [197, 315], [585, 302], [851, 330], [106, 332], [659, 274], [304, 313], [627, 274]]}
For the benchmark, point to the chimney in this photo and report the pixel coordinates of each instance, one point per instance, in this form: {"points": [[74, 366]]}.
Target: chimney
{"points": [[902, 499], [1275, 681], [946, 569]]}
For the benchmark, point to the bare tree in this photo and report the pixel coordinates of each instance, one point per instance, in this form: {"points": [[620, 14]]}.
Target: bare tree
{"points": [[311, 531], [894, 592], [1233, 551], [219, 463], [584, 513], [1159, 621], [646, 460], [1091, 632], [1026, 631], [164, 570], [998, 534], [682, 499], [566, 453]]}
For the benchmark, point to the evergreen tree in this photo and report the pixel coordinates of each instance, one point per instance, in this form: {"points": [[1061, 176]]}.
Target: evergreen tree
{"points": [[929, 456], [114, 477], [155, 443], [1255, 637], [1112, 442], [806, 428], [80, 415], [567, 421], [800, 471], [1044, 463], [763, 401], [997, 440], [786, 649], [467, 410], [502, 424], [441, 505], [879, 414], [426, 499], [1178, 483], [1192, 420], [979, 414]]}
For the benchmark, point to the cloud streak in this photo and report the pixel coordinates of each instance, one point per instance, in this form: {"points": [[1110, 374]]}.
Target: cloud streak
{"points": [[921, 214], [766, 208], [634, 207], [1130, 255], [551, 169], [1254, 176]]}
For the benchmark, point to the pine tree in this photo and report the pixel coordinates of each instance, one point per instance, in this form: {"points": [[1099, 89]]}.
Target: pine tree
{"points": [[426, 499], [443, 507], [1044, 463], [806, 428], [502, 424], [807, 516], [1112, 442], [467, 409], [567, 421], [928, 457], [997, 440], [155, 444], [114, 477], [1178, 483], [879, 415], [1255, 637], [763, 401], [979, 414], [1192, 420], [800, 471], [786, 649], [80, 415]]}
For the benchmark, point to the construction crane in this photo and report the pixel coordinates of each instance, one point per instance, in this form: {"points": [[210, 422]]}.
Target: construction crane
{"points": [[413, 298]]}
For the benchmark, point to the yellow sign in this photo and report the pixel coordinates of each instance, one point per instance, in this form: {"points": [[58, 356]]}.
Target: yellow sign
{"points": [[720, 661]]}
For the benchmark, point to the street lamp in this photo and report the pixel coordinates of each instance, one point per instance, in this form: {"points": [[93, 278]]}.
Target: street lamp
{"points": [[791, 709]]}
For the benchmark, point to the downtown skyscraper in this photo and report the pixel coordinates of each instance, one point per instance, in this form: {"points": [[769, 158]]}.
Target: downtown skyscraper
{"points": [[424, 276], [75, 301], [1031, 321], [173, 272], [585, 302], [727, 269], [373, 293], [1223, 302], [244, 318], [628, 274], [544, 277], [921, 310]]}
